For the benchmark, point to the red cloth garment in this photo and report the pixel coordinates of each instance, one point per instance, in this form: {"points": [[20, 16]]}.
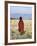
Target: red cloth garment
{"points": [[21, 26]]}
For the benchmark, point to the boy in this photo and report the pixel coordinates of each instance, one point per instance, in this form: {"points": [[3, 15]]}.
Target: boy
{"points": [[21, 25]]}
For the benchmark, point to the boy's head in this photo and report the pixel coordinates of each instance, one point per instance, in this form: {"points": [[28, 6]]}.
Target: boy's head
{"points": [[20, 18]]}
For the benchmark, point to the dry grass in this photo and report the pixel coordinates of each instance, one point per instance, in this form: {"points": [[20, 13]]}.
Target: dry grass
{"points": [[15, 34]]}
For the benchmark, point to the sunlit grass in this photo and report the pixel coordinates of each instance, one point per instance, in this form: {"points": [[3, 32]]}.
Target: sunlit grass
{"points": [[15, 34]]}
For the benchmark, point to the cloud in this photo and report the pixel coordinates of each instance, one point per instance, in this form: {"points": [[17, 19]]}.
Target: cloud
{"points": [[21, 10], [24, 11]]}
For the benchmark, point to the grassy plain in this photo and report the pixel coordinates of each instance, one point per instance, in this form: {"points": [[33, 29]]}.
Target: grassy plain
{"points": [[15, 34]]}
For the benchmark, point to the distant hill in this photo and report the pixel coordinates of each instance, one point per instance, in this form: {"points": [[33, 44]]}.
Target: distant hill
{"points": [[24, 16]]}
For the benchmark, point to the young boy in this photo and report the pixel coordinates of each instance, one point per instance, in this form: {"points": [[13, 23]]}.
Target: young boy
{"points": [[21, 25]]}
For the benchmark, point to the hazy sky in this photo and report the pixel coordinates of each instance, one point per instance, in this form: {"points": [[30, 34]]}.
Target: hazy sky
{"points": [[17, 11]]}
